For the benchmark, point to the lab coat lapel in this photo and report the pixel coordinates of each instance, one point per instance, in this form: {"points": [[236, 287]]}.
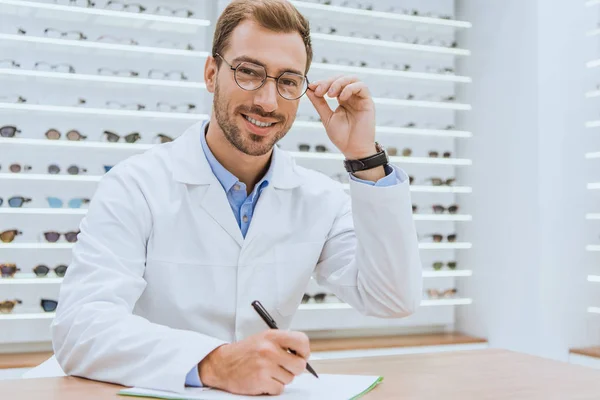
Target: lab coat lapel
{"points": [[191, 167]]}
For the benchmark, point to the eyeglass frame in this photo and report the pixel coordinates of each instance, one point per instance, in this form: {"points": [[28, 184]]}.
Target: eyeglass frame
{"points": [[234, 69]]}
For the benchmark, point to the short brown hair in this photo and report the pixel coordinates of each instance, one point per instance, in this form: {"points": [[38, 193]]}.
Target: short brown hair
{"points": [[275, 15]]}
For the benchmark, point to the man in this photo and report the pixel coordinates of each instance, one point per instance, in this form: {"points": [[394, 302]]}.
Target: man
{"points": [[179, 241]]}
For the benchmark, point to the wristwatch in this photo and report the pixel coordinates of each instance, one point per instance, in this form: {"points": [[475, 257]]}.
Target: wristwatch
{"points": [[371, 162]]}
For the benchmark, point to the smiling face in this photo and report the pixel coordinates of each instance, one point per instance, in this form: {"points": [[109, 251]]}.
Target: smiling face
{"points": [[254, 121]]}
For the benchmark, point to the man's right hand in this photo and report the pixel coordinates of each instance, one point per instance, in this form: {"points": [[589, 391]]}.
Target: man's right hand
{"points": [[259, 364]]}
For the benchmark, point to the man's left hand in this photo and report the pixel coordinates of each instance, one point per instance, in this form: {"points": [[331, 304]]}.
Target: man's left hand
{"points": [[351, 127]]}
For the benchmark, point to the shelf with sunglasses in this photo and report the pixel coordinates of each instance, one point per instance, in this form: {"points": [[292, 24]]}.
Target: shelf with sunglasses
{"points": [[440, 19], [12, 274], [15, 309], [159, 17]]}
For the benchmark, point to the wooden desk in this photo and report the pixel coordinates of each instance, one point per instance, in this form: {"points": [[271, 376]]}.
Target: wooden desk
{"points": [[466, 375]]}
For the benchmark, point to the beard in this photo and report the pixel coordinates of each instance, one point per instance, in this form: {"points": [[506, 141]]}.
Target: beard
{"points": [[248, 143]]}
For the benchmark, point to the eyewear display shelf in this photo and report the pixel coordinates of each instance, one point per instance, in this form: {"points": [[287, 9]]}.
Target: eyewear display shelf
{"points": [[139, 72]]}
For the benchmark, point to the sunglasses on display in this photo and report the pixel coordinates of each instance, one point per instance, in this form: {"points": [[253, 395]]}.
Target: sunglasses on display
{"points": [[437, 294], [320, 148], [16, 168], [438, 238], [114, 138], [7, 306], [53, 236], [10, 235], [8, 131], [440, 209], [435, 154], [8, 270], [441, 182], [73, 135], [438, 265], [49, 305], [164, 138], [55, 202], [42, 270], [16, 201], [250, 76], [318, 297], [44, 66], [54, 169]]}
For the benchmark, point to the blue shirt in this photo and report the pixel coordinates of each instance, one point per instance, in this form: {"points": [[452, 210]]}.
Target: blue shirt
{"points": [[243, 205]]}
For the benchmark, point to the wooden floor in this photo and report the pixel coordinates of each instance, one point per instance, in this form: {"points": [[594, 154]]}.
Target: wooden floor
{"points": [[593, 351], [383, 342], [23, 360]]}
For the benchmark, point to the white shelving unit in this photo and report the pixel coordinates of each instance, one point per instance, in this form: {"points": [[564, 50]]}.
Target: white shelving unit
{"points": [[423, 125]]}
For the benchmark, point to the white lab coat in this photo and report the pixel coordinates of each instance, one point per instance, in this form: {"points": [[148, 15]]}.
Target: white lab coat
{"points": [[161, 274]]}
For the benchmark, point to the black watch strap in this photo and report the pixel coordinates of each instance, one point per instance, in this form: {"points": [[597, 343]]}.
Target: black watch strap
{"points": [[371, 162]]}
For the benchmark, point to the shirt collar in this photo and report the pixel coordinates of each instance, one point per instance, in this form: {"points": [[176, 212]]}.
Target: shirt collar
{"points": [[226, 178]]}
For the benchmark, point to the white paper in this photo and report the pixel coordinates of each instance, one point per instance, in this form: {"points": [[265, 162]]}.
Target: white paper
{"points": [[304, 387]]}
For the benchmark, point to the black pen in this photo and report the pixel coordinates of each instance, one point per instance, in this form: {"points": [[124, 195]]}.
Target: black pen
{"points": [[264, 314]]}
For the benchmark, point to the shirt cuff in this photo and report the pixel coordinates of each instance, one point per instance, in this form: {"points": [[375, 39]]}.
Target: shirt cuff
{"points": [[393, 176], [193, 378]]}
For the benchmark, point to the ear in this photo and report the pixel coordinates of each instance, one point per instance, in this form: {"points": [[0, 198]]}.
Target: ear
{"points": [[210, 74]]}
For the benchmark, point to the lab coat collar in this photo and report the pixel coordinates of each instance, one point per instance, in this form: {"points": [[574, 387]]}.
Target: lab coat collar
{"points": [[191, 166]]}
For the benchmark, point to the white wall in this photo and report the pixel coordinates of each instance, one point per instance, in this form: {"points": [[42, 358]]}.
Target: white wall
{"points": [[529, 174]]}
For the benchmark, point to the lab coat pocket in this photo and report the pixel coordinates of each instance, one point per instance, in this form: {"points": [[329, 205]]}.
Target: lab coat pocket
{"points": [[294, 265]]}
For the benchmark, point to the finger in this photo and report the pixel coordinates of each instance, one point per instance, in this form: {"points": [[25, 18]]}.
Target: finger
{"points": [[283, 376], [296, 341], [358, 89], [339, 84], [321, 87], [320, 105], [293, 363], [271, 386]]}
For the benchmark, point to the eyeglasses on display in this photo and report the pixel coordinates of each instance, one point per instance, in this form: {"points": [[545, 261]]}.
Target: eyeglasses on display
{"points": [[250, 77], [117, 40], [115, 105], [10, 235], [9, 64], [171, 75], [130, 138], [73, 135], [49, 305], [164, 138], [438, 265], [55, 202], [43, 270], [53, 236], [71, 170], [7, 306], [121, 6], [320, 148], [438, 237], [440, 209], [117, 72], [438, 294], [44, 66], [318, 297], [13, 98], [16, 201], [168, 107], [441, 182], [8, 270], [8, 131], [16, 168], [177, 12], [435, 154], [58, 34]]}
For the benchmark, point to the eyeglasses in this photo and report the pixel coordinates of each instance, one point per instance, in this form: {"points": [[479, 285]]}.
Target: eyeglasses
{"points": [[440, 70], [117, 72], [58, 34], [438, 265], [82, 3], [53, 236], [10, 235], [49, 305], [318, 297], [167, 107], [250, 77], [164, 138], [179, 12], [16, 201], [130, 138], [436, 294], [42, 270], [72, 170], [55, 202], [320, 148], [172, 75], [116, 40], [440, 209], [9, 64], [73, 135], [115, 105], [8, 131], [44, 66], [437, 237], [435, 154], [13, 99], [16, 168], [7, 306], [441, 182], [120, 6], [8, 270]]}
